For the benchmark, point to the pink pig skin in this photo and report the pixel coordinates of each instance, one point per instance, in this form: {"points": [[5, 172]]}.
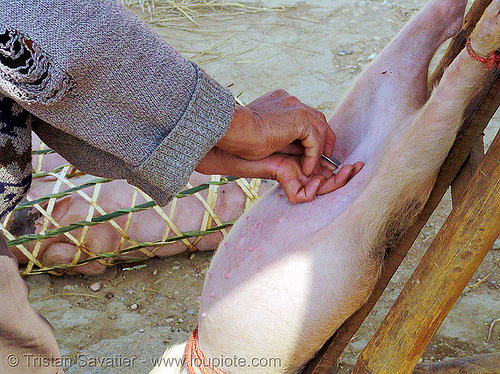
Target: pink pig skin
{"points": [[319, 264]]}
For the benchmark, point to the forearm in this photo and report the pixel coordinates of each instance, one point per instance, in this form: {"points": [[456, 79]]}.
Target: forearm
{"points": [[100, 75]]}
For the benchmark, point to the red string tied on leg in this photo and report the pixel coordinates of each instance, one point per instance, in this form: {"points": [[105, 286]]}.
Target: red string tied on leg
{"points": [[196, 359], [492, 60]]}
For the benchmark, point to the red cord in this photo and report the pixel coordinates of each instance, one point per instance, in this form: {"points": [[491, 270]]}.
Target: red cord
{"points": [[193, 353], [490, 61]]}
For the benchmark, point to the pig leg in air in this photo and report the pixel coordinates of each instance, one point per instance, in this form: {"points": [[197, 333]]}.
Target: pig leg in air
{"points": [[394, 85]]}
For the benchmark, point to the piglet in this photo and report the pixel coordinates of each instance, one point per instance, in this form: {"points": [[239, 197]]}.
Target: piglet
{"points": [[278, 290], [145, 226]]}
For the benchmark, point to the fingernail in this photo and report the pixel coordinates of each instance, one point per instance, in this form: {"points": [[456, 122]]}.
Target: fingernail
{"points": [[330, 167]]}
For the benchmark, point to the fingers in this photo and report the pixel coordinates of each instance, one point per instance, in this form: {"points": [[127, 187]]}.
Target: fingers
{"points": [[327, 165], [297, 192], [300, 188], [337, 180], [357, 167], [313, 147], [340, 179], [324, 130], [286, 169], [317, 138]]}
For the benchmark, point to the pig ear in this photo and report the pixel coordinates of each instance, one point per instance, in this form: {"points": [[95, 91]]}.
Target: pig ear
{"points": [[60, 208]]}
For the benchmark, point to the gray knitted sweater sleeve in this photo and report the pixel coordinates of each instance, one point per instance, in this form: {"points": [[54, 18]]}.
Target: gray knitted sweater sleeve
{"points": [[109, 94]]}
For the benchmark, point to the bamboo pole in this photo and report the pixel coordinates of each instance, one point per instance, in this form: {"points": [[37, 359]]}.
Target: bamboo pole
{"points": [[456, 252]]}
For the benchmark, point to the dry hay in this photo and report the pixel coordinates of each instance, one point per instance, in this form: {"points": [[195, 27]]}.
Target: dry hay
{"points": [[164, 12]]}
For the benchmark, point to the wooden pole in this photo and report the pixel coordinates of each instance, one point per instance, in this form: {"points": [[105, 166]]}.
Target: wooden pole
{"points": [[467, 170], [476, 119], [456, 252]]}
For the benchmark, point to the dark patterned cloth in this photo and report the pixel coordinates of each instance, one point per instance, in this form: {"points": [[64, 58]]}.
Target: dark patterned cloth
{"points": [[15, 154]]}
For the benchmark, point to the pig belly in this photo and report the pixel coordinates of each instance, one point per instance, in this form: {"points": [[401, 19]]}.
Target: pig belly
{"points": [[287, 276], [282, 281]]}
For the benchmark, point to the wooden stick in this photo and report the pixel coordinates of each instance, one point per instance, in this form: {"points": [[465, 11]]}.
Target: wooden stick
{"points": [[475, 121], [480, 364], [456, 252], [467, 170]]}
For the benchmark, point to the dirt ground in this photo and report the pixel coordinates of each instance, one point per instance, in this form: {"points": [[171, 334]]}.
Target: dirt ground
{"points": [[314, 50]]}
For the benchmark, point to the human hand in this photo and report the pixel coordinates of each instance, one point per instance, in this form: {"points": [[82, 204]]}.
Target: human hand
{"points": [[272, 123], [286, 169]]}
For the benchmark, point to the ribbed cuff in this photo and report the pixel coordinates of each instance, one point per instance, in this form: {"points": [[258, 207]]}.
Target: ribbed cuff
{"points": [[206, 120]]}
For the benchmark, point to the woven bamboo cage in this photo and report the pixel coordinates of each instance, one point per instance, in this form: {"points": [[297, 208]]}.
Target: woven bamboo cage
{"points": [[65, 181]]}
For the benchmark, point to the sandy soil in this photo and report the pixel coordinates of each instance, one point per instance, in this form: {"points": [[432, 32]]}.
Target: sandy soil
{"points": [[314, 51]]}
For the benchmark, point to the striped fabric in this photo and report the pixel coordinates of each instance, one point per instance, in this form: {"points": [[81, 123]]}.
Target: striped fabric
{"points": [[15, 154]]}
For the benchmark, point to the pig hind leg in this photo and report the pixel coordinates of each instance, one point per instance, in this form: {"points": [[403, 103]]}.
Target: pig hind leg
{"points": [[463, 78], [486, 36], [432, 132], [394, 86]]}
